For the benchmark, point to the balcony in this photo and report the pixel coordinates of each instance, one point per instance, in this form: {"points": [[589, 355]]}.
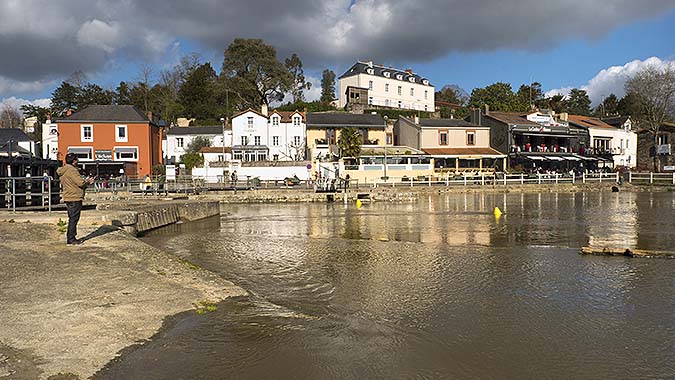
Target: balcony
{"points": [[663, 149]]}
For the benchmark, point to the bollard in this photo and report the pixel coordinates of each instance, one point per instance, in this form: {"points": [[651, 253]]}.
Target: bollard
{"points": [[651, 178], [630, 177], [522, 179], [583, 177]]}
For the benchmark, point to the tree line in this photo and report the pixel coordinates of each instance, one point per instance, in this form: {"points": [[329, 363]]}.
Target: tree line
{"points": [[251, 75]]}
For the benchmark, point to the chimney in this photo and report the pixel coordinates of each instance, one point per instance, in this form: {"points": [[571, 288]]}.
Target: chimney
{"points": [[563, 116], [149, 113], [409, 71], [264, 109], [69, 112], [487, 109]]}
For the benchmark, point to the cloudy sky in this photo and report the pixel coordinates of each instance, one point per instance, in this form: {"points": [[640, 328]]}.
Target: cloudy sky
{"points": [[592, 44]]}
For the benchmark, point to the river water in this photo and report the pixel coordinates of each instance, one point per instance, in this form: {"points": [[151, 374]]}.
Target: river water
{"points": [[438, 289]]}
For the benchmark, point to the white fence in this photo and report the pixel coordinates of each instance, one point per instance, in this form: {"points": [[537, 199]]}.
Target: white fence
{"points": [[263, 173]]}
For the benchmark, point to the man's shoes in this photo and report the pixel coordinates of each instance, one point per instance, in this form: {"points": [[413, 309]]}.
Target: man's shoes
{"points": [[76, 242]]}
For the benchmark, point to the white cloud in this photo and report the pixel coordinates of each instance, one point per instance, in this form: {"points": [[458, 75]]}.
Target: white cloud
{"points": [[97, 33], [611, 80], [16, 103]]}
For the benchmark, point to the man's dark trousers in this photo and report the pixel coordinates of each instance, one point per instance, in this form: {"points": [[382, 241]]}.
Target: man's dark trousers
{"points": [[74, 209]]}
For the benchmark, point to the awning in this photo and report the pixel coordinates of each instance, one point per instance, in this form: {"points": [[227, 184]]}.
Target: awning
{"points": [[535, 158], [571, 158], [555, 158], [547, 135]]}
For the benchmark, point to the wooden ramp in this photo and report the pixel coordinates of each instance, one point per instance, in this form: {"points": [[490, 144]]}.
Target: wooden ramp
{"points": [[615, 251]]}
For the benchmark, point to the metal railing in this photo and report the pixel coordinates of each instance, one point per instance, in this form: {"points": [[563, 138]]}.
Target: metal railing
{"points": [[23, 192]]}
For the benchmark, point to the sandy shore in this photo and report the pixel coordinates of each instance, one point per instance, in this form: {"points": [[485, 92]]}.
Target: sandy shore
{"points": [[71, 309]]}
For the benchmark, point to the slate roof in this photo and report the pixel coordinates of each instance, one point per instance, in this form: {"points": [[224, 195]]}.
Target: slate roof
{"points": [[108, 113], [445, 123], [511, 118], [588, 122], [196, 130], [342, 119], [616, 121], [379, 70], [12, 134]]}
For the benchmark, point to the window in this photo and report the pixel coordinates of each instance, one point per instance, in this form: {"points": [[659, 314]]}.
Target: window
{"points": [[400, 90], [83, 153], [662, 139], [426, 94], [256, 140], [275, 121], [126, 153], [399, 104], [390, 139], [121, 133], [237, 155], [296, 120], [370, 85], [470, 138], [296, 140], [426, 107], [262, 156], [412, 91], [275, 157], [443, 138], [387, 74], [244, 140], [275, 140], [179, 142], [87, 133], [370, 100], [386, 87], [387, 102], [250, 121]]}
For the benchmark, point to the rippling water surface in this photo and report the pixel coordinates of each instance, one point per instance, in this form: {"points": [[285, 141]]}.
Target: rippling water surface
{"points": [[438, 289]]}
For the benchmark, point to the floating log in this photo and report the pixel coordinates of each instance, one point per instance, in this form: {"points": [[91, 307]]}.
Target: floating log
{"points": [[615, 251]]}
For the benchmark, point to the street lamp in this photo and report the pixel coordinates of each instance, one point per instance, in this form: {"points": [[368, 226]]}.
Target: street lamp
{"points": [[385, 147]]}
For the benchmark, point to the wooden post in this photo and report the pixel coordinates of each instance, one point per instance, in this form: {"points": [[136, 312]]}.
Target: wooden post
{"points": [[583, 177], [482, 179], [651, 178], [522, 178], [630, 177]]}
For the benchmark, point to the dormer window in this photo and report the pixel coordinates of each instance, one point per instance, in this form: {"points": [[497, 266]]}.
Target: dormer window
{"points": [[275, 120], [412, 79], [425, 81], [387, 74], [399, 76], [370, 71], [296, 120]]}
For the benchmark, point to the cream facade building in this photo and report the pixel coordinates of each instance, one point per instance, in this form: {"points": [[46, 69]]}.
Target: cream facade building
{"points": [[387, 87]]}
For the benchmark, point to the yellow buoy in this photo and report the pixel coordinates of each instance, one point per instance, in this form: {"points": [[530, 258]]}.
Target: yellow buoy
{"points": [[498, 212], [358, 203]]}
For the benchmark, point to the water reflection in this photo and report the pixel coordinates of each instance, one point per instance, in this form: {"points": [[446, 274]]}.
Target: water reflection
{"points": [[437, 289]]}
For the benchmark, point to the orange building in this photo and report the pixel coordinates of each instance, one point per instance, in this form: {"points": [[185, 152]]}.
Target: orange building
{"points": [[111, 140]]}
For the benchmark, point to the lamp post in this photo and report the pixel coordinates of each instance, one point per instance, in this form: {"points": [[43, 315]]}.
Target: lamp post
{"points": [[385, 147]]}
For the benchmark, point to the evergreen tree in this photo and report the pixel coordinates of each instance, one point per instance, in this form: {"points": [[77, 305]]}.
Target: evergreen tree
{"points": [[300, 84], [122, 94], [64, 98], [197, 94], [327, 86], [578, 102]]}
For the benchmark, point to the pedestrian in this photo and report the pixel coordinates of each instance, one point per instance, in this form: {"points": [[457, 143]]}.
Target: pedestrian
{"points": [[73, 186], [234, 178]]}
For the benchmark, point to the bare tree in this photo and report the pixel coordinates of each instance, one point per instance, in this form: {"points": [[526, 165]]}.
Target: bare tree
{"points": [[10, 117], [654, 88], [144, 79]]}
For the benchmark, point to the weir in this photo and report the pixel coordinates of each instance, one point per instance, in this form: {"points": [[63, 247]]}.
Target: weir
{"points": [[137, 218]]}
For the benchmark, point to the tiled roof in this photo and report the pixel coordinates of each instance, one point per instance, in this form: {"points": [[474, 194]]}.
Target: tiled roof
{"points": [[12, 134], [588, 122], [343, 119], [286, 115], [462, 151], [444, 123], [248, 110], [111, 113], [380, 70], [511, 118], [215, 149], [196, 130]]}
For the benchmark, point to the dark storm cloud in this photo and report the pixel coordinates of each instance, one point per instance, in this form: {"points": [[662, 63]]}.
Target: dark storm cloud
{"points": [[45, 39]]}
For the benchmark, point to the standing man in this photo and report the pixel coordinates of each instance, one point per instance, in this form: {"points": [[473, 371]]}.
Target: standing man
{"points": [[73, 186]]}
